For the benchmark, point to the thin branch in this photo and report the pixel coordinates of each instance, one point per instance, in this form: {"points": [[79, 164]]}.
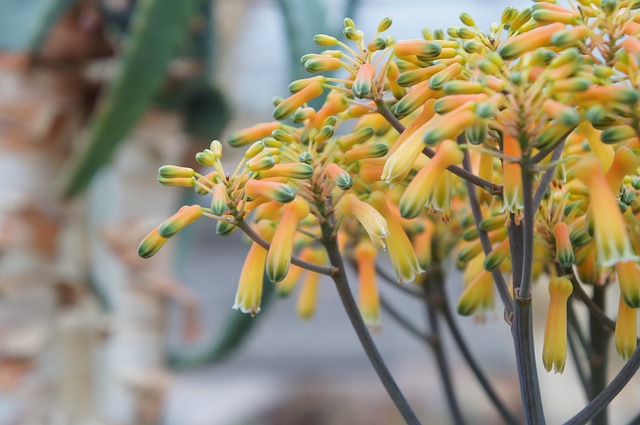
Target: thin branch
{"points": [[594, 310], [404, 322], [504, 412], [351, 308], [392, 282], [522, 329], [433, 301], [576, 333], [501, 285], [610, 391], [492, 188], [547, 176], [248, 230]]}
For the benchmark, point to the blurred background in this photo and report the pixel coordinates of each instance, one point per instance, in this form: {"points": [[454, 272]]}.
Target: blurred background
{"points": [[95, 95]]}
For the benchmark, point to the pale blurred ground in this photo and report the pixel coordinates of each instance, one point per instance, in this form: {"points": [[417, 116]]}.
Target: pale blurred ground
{"points": [[295, 372]]}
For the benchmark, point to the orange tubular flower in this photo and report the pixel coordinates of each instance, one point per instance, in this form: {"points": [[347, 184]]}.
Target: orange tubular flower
{"points": [[564, 251], [293, 102], [401, 252], [363, 84], [281, 250], [420, 189], [513, 47], [512, 171], [372, 221], [629, 280], [612, 242], [151, 244], [275, 191], [624, 162], [626, 330], [554, 350], [478, 292], [249, 292], [185, 216], [251, 134], [368, 297]]}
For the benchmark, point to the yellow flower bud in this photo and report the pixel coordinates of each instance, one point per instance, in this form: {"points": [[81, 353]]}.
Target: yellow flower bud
{"points": [[185, 216], [626, 332], [281, 250], [554, 350], [151, 244]]}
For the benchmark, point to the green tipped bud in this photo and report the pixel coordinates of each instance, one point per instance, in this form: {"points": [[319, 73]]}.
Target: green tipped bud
{"points": [[375, 150], [520, 19], [470, 234], [206, 158], [282, 136], [469, 251], [609, 6], [262, 162], [617, 134], [324, 64], [438, 34], [324, 134], [431, 51], [508, 14], [351, 34], [579, 238], [427, 34], [254, 149], [151, 244], [361, 135], [466, 19], [348, 23], [542, 57], [463, 87], [185, 216], [341, 177], [270, 142], [492, 223], [294, 170], [476, 133], [325, 40], [466, 34], [551, 135], [224, 228], [575, 84], [497, 256], [384, 24], [175, 171], [305, 157], [298, 85], [378, 43], [472, 46], [602, 71], [635, 183], [628, 197], [452, 32], [216, 148], [177, 181], [486, 110]]}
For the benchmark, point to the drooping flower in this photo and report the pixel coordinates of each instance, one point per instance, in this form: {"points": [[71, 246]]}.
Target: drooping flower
{"points": [[629, 281], [554, 350], [249, 292], [372, 221], [368, 298], [612, 242], [421, 187], [403, 257], [281, 250], [512, 174], [564, 251], [626, 332]]}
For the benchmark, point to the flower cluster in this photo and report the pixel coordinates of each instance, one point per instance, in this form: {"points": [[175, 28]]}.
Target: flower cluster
{"points": [[548, 96]]}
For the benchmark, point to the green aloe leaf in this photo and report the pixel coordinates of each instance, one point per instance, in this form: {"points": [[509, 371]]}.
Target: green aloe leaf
{"points": [[237, 328], [159, 28]]}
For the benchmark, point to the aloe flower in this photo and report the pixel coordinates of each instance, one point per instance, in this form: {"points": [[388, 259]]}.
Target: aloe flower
{"points": [[612, 243], [401, 251], [564, 251], [249, 292], [554, 349], [372, 221], [420, 189], [512, 176], [368, 298], [626, 332], [279, 255]]}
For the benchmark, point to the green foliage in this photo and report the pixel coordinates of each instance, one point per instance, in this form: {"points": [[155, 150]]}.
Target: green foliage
{"points": [[159, 28]]}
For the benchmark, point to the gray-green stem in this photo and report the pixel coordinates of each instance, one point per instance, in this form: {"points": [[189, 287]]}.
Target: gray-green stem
{"points": [[351, 308]]}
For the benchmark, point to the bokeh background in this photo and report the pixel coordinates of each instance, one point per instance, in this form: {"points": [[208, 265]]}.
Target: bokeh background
{"points": [[89, 333]]}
